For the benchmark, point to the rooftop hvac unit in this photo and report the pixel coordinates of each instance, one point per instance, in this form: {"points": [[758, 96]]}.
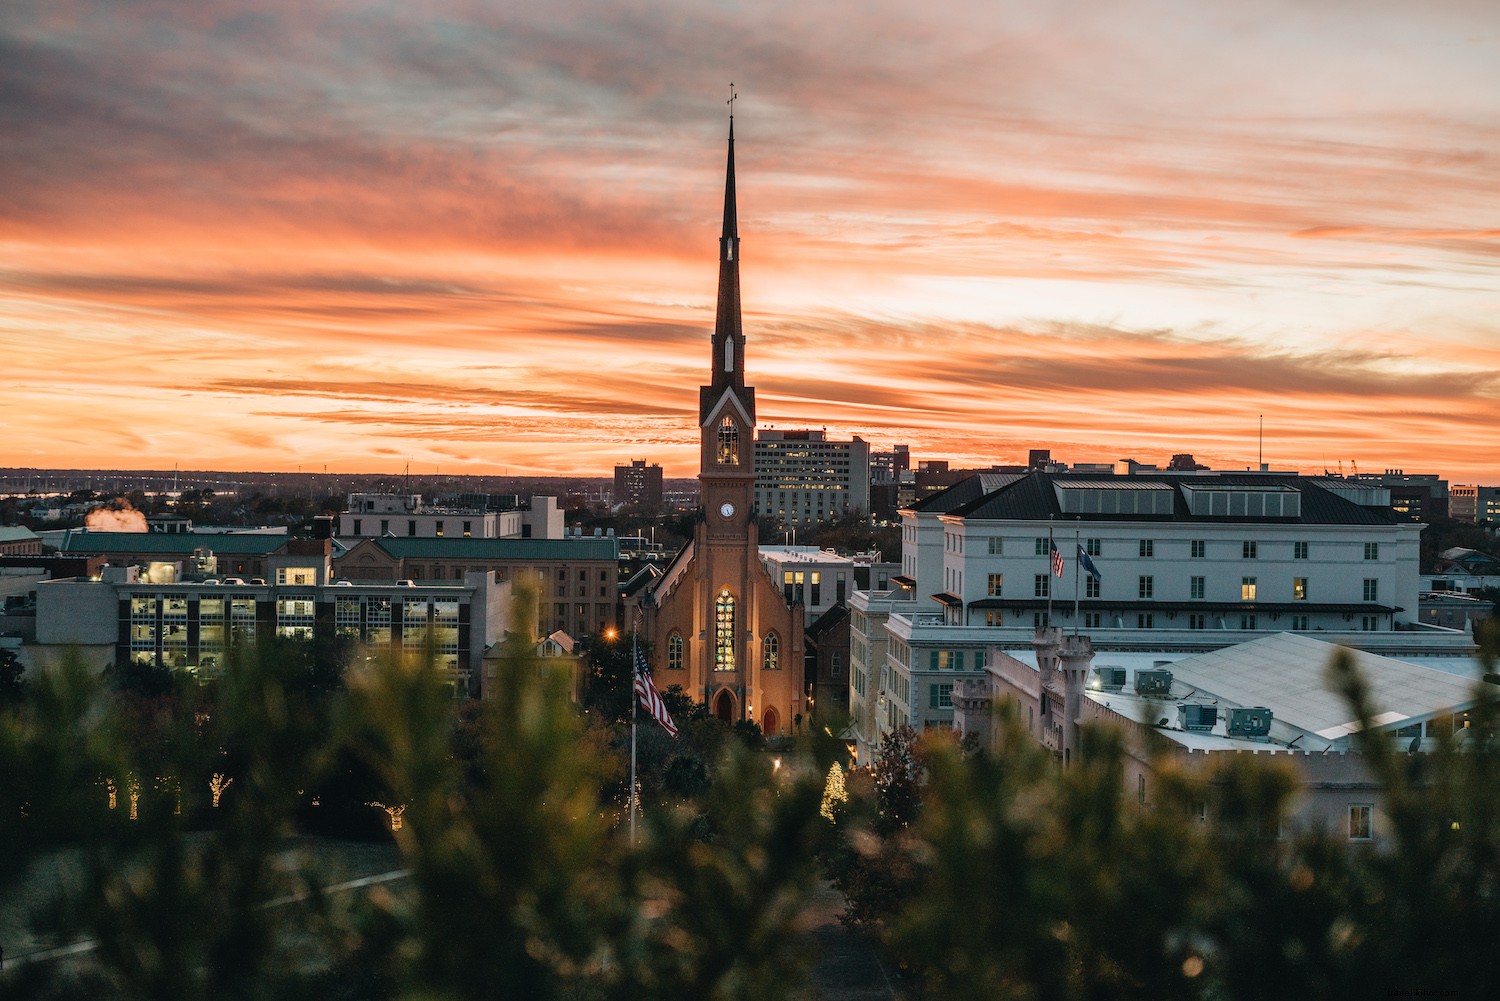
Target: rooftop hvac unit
{"points": [[1250, 722], [1194, 716], [1153, 682], [1109, 679]]}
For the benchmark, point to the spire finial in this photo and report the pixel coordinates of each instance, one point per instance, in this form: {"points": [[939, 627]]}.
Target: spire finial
{"points": [[732, 98]]}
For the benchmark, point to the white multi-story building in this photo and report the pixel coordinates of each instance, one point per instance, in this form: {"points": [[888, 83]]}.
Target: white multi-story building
{"points": [[1191, 561], [406, 516], [818, 579], [802, 478]]}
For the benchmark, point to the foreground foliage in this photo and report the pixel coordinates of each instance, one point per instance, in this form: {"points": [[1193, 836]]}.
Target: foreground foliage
{"points": [[994, 875]]}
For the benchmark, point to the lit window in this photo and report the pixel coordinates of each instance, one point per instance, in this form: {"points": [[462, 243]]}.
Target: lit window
{"points": [[729, 442], [724, 632], [996, 582], [1361, 821], [674, 651], [770, 653], [1247, 588], [1299, 588]]}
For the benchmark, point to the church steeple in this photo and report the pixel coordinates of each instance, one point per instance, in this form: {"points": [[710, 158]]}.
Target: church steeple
{"points": [[729, 337]]}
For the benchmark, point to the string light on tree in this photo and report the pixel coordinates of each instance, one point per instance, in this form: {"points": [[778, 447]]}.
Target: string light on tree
{"points": [[217, 785], [394, 812], [834, 793]]}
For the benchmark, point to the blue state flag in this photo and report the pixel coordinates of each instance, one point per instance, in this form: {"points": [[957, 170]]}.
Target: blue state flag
{"points": [[1088, 564]]}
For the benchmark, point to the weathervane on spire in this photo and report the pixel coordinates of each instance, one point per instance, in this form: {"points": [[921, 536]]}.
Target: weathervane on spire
{"points": [[732, 98]]}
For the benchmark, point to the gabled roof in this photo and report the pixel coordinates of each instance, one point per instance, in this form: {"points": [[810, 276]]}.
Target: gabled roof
{"points": [[965, 491], [16, 533], [828, 620], [641, 579]]}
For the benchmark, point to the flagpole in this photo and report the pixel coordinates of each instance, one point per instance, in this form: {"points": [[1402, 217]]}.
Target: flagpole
{"points": [[1051, 563], [1077, 566], [635, 654]]}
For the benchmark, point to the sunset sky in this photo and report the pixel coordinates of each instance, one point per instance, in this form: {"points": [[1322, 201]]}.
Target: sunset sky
{"points": [[482, 236]]}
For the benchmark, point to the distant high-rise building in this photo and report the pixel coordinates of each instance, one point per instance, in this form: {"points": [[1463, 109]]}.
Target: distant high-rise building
{"points": [[1473, 503], [1416, 495], [802, 478], [638, 484], [886, 467], [888, 472]]}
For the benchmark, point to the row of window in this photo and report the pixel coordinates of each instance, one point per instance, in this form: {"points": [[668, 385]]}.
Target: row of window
{"points": [[770, 648], [1195, 620], [1145, 548], [1197, 587], [440, 528]]}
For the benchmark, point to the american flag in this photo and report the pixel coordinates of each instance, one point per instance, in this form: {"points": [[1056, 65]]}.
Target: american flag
{"points": [[650, 698], [1057, 561]]}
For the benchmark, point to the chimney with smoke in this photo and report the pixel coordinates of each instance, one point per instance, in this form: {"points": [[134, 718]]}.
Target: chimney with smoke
{"points": [[116, 516]]}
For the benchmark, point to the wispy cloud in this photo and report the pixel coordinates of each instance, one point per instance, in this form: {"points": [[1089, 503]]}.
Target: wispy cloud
{"points": [[275, 233]]}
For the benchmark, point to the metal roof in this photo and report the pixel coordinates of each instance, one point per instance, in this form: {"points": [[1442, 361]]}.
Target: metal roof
{"points": [[1032, 498], [1289, 674], [171, 543]]}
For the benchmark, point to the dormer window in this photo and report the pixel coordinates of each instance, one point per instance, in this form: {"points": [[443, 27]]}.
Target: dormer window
{"points": [[729, 442]]}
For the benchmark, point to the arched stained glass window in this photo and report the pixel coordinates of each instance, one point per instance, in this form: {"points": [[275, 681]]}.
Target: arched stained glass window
{"points": [[674, 651], [770, 652], [724, 631], [729, 442]]}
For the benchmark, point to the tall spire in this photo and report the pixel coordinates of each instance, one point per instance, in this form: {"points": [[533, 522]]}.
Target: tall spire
{"points": [[730, 239], [729, 338]]}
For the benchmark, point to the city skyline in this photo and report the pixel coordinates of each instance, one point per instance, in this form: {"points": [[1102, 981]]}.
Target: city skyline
{"points": [[261, 236]]}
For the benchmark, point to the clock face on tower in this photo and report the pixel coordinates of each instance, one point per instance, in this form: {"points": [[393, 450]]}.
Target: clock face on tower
{"points": [[726, 509]]}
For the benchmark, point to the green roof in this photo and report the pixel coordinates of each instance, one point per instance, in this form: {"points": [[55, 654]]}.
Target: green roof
{"points": [[518, 550], [173, 543]]}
